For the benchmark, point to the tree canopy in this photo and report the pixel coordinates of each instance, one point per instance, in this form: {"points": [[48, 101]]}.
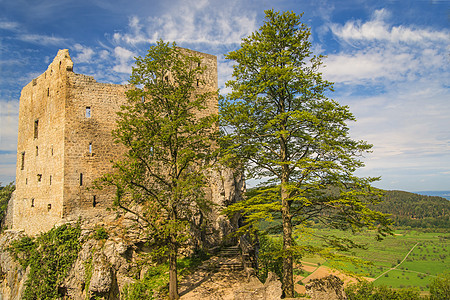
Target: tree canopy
{"points": [[279, 124], [168, 143]]}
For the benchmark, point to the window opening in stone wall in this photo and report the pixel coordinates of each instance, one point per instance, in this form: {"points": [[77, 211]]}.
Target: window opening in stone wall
{"points": [[26, 181], [197, 82], [50, 179], [52, 150], [32, 202], [36, 128], [39, 177], [81, 179], [22, 165], [37, 150], [90, 148], [48, 92], [198, 65], [49, 206], [94, 201], [88, 111]]}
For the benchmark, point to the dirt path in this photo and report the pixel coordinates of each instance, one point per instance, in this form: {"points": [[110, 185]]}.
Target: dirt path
{"points": [[211, 285], [393, 268]]}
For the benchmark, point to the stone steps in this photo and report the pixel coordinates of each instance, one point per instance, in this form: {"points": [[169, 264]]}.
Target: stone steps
{"points": [[228, 258]]}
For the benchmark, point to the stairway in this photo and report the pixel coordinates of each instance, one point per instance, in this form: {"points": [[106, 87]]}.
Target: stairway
{"points": [[228, 258]]}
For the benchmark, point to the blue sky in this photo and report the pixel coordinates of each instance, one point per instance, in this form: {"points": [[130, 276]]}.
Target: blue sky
{"points": [[389, 61]]}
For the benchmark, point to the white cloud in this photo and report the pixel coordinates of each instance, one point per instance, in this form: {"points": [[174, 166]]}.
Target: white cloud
{"points": [[378, 30], [192, 22], [124, 58], [42, 39], [9, 116], [7, 25], [377, 51], [407, 121], [84, 53]]}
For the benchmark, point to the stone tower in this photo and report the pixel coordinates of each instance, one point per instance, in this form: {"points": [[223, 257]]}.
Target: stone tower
{"points": [[65, 142]]}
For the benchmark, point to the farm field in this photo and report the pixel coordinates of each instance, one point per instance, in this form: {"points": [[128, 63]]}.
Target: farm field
{"points": [[429, 255]]}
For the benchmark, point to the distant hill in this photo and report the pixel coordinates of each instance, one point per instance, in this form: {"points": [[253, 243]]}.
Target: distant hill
{"points": [[443, 194], [410, 209]]}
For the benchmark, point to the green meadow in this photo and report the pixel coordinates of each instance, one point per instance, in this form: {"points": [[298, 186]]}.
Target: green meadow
{"points": [[429, 257]]}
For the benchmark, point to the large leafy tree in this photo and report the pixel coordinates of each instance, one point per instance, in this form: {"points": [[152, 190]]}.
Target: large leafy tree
{"points": [[168, 143], [280, 125]]}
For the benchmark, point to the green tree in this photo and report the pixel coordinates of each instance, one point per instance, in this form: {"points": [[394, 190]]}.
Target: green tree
{"points": [[168, 143], [5, 195], [279, 124], [440, 287]]}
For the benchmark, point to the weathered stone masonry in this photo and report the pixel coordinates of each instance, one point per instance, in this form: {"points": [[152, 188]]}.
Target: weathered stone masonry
{"points": [[65, 142]]}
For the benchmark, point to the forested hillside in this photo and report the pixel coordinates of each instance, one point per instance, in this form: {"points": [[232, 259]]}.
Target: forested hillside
{"points": [[409, 209]]}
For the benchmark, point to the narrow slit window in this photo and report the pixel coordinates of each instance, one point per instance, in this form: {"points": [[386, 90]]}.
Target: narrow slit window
{"points": [[50, 179], [39, 177], [198, 65], [22, 165], [37, 150], [94, 201], [52, 150], [81, 179], [49, 206], [32, 202], [88, 111], [90, 148], [26, 181], [197, 82], [36, 128], [48, 92]]}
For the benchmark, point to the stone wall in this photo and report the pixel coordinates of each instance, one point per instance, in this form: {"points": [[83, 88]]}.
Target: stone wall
{"points": [[40, 149], [65, 143]]}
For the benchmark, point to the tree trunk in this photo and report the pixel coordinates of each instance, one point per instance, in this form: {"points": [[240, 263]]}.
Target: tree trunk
{"points": [[173, 280], [288, 276]]}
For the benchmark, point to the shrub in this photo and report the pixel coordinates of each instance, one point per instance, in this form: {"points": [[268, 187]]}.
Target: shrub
{"points": [[100, 233]]}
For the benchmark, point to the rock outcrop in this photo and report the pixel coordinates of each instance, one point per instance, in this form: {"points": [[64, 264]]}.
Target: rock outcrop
{"points": [[330, 287]]}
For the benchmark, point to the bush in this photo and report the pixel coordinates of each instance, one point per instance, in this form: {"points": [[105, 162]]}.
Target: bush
{"points": [[367, 291], [440, 287]]}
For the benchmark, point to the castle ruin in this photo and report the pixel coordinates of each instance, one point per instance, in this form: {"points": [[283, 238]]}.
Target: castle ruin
{"points": [[65, 143]]}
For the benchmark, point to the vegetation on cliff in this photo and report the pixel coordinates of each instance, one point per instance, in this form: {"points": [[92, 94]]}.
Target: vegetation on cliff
{"points": [[280, 125], [49, 257]]}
